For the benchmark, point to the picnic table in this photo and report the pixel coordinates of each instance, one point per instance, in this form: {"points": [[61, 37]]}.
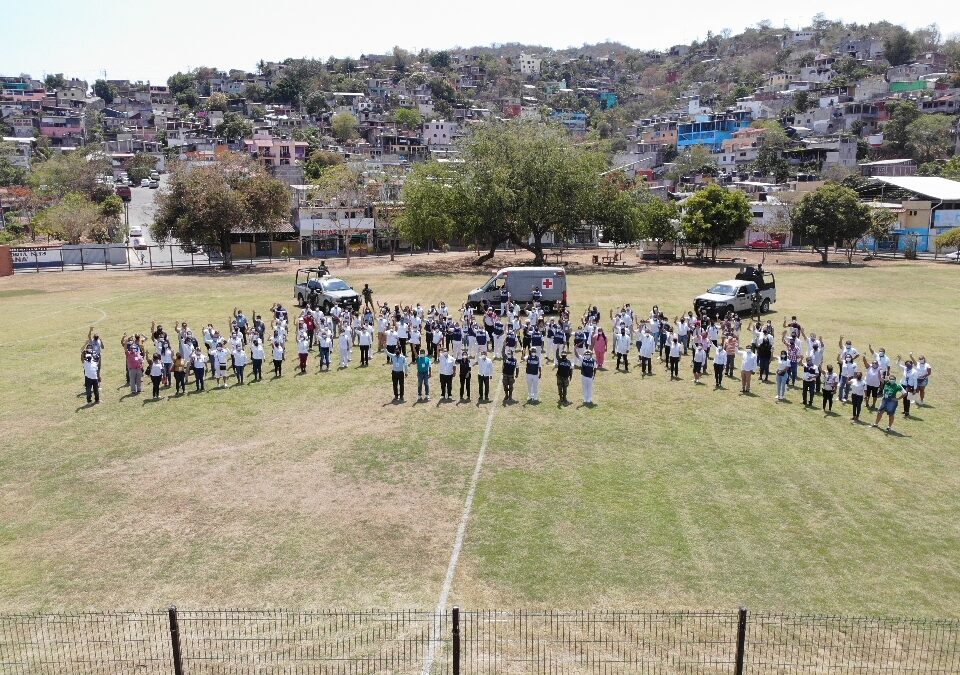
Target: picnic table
{"points": [[609, 260], [556, 255]]}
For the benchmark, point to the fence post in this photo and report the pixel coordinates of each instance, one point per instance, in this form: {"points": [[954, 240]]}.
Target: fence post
{"points": [[81, 257], [741, 641], [456, 641], [175, 641]]}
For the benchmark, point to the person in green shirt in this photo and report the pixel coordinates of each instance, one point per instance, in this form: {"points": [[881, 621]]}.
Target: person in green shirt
{"points": [[424, 371], [892, 392]]}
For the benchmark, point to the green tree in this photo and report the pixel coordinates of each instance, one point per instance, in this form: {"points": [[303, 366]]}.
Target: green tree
{"points": [[430, 205], [440, 60], [518, 181], [949, 239], [930, 137], [290, 88], [254, 92], [801, 101], [234, 127], [615, 212], [218, 101], [319, 161], [10, 174], [68, 172], [900, 115], [179, 83], [402, 59], [72, 218], [105, 90], [949, 169], [139, 167], [900, 46], [408, 118], [694, 160], [831, 215], [317, 103], [344, 126], [189, 98], [54, 81], [715, 216], [657, 221], [205, 203], [338, 186]]}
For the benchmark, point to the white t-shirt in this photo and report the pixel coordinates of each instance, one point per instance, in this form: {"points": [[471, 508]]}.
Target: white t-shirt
{"points": [[277, 352], [257, 352], [749, 361], [676, 349], [240, 358], [857, 386], [91, 369]]}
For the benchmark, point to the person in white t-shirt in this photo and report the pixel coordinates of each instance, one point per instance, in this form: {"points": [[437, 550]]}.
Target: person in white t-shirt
{"points": [[256, 357], [856, 387], [924, 371], [277, 359], [748, 367]]}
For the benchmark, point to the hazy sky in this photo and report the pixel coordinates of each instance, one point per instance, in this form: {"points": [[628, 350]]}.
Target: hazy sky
{"points": [[151, 40]]}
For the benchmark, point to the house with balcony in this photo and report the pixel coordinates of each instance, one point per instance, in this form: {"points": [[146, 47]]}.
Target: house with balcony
{"points": [[270, 150], [711, 130]]}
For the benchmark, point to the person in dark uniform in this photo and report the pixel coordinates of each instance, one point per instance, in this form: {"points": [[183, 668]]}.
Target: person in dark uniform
{"points": [[510, 372], [464, 366], [564, 373], [367, 296], [504, 299], [756, 302]]}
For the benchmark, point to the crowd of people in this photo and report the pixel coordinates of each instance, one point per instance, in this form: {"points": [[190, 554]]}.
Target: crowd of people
{"points": [[460, 342]]}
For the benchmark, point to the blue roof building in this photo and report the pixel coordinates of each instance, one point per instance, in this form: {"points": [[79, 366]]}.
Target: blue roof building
{"points": [[711, 130]]}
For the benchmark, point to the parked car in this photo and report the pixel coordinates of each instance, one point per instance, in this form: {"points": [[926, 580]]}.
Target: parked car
{"points": [[144, 182], [136, 238], [736, 295], [154, 184], [520, 282], [955, 256], [154, 175], [315, 286], [765, 244]]}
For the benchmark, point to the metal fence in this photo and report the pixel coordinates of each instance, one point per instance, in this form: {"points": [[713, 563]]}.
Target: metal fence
{"points": [[420, 642]]}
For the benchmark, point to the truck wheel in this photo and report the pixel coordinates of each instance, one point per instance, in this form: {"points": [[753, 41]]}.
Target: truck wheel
{"points": [[765, 306]]}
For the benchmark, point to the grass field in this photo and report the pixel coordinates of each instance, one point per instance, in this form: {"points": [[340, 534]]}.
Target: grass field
{"points": [[316, 491]]}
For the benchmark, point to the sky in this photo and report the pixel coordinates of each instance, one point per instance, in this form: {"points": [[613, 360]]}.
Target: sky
{"points": [[150, 40]]}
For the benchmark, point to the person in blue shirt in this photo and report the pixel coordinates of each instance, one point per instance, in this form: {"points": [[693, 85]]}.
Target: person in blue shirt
{"points": [[424, 371]]}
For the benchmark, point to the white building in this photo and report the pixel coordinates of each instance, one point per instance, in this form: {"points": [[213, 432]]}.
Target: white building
{"points": [[438, 132], [529, 65], [798, 37]]}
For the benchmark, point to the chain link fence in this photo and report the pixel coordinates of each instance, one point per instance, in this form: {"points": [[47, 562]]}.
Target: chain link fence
{"points": [[428, 643]]}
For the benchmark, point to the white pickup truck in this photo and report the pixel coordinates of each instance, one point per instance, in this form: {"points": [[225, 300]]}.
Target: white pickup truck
{"points": [[736, 295]]}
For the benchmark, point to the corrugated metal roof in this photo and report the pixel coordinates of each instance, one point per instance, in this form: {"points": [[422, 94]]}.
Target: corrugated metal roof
{"points": [[943, 189]]}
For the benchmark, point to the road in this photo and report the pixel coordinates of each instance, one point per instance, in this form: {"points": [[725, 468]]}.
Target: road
{"points": [[142, 208]]}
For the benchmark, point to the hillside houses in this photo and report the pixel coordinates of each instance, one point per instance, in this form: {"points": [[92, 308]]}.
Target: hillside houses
{"points": [[826, 91]]}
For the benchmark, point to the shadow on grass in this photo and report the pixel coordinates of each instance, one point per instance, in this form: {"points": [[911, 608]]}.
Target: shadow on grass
{"points": [[215, 271]]}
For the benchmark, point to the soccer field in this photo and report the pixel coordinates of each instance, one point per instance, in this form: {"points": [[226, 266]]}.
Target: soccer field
{"points": [[317, 491]]}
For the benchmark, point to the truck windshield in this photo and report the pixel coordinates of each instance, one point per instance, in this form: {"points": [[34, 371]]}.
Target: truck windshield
{"points": [[492, 284], [723, 289], [336, 286]]}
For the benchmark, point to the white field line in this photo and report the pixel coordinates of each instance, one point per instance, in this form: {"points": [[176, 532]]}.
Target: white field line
{"points": [[458, 540]]}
